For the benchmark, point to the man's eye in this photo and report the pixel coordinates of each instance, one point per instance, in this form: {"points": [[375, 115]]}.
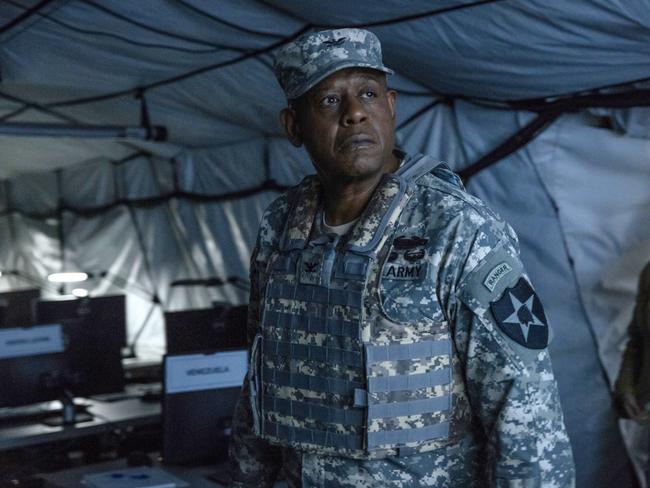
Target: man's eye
{"points": [[369, 94], [329, 100]]}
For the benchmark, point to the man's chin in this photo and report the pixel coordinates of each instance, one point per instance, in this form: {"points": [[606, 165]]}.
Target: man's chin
{"points": [[360, 169]]}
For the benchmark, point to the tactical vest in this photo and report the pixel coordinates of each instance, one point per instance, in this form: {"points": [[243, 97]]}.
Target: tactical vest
{"points": [[321, 381]]}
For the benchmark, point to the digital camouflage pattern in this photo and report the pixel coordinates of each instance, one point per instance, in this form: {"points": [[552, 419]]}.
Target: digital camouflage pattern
{"points": [[312, 373], [302, 63], [505, 424]]}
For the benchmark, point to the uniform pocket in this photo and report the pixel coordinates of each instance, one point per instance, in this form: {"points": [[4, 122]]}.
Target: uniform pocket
{"points": [[412, 303]]}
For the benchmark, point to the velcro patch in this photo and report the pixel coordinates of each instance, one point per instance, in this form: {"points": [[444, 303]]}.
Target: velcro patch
{"points": [[404, 272], [520, 315], [495, 275]]}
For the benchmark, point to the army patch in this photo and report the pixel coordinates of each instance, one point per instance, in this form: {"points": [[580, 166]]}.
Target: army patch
{"points": [[310, 268], [495, 275], [409, 242], [404, 272], [411, 248], [520, 316]]}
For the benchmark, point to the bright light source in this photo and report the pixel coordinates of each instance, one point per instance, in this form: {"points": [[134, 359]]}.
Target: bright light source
{"points": [[67, 277], [154, 132], [80, 292], [0, 273]]}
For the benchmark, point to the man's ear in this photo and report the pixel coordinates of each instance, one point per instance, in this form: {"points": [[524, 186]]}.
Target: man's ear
{"points": [[289, 120], [391, 95]]}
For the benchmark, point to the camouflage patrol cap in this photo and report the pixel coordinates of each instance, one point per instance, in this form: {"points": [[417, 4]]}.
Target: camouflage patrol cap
{"points": [[302, 63]]}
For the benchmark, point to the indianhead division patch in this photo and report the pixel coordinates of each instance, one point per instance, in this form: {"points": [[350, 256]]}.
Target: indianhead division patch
{"points": [[520, 316]]}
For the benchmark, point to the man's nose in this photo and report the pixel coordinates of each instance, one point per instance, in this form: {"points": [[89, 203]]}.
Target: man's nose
{"points": [[353, 111]]}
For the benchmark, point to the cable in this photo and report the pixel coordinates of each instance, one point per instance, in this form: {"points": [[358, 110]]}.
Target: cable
{"points": [[420, 112], [250, 54], [24, 16], [630, 98], [515, 142], [269, 185], [406, 18], [141, 329], [53, 8], [39, 107], [539, 102], [115, 36], [150, 28], [134, 155], [211, 16], [183, 76], [14, 113], [395, 20], [416, 94]]}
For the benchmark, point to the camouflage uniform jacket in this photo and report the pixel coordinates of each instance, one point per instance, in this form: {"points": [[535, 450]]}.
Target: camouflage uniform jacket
{"points": [[506, 425]]}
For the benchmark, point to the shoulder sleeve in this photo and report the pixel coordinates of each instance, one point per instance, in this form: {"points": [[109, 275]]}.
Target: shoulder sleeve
{"points": [[444, 172], [498, 291], [268, 236], [253, 461], [502, 333]]}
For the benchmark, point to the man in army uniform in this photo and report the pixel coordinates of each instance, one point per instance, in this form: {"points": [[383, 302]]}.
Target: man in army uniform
{"points": [[395, 337]]}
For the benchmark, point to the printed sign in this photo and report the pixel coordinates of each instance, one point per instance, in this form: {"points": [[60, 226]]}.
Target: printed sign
{"points": [[196, 372], [31, 341]]}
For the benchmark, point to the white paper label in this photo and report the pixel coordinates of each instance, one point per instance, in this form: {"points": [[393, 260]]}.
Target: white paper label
{"points": [[195, 372], [31, 341]]}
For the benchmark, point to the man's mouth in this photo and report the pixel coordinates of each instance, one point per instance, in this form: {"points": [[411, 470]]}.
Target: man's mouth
{"points": [[355, 142]]}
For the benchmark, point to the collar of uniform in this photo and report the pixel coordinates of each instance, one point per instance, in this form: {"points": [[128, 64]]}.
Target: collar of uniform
{"points": [[382, 210], [306, 201]]}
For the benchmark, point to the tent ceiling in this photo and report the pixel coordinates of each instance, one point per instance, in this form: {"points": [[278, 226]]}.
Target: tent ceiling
{"points": [[207, 65]]}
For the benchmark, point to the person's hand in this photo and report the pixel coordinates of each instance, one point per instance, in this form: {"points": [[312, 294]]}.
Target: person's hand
{"points": [[633, 409]]}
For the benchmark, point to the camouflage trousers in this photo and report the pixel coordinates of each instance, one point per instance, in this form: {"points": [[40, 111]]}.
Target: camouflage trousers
{"points": [[432, 469]]}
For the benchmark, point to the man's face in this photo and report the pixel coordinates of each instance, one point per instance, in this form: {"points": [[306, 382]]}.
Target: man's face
{"points": [[347, 124]]}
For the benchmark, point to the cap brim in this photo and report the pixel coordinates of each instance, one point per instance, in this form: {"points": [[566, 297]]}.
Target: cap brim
{"points": [[310, 83]]}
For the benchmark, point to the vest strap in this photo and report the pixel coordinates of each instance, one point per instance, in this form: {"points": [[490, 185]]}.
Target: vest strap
{"points": [[419, 165], [312, 436], [409, 381], [317, 325], [313, 353], [412, 407], [397, 352], [313, 383], [360, 398], [405, 436], [315, 294], [314, 411]]}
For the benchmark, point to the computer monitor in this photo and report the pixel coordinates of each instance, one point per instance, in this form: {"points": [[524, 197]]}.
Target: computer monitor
{"points": [[36, 367], [107, 311], [33, 365], [199, 396], [17, 307], [220, 327], [93, 329]]}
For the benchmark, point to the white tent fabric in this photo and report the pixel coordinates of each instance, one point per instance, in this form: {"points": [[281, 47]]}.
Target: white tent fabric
{"points": [[142, 214]]}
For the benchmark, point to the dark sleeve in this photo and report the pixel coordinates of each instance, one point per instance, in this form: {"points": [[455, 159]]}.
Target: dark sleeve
{"points": [[627, 375], [253, 461], [629, 366]]}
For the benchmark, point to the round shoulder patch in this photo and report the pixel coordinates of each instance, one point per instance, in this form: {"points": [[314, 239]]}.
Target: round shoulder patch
{"points": [[520, 316]]}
